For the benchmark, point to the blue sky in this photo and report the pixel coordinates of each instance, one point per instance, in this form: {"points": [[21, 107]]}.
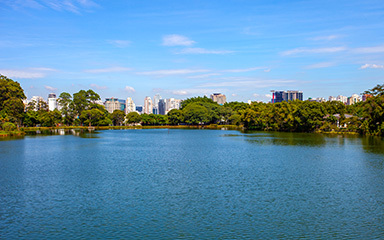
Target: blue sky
{"points": [[181, 49]]}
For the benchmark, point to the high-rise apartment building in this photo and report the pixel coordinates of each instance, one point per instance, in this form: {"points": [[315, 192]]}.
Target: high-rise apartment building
{"points": [[155, 103], [172, 103], [162, 107], [290, 95], [148, 106], [221, 99], [112, 104], [130, 106], [52, 102]]}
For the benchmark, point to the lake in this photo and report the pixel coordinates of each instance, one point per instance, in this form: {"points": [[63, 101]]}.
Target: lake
{"points": [[191, 184]]}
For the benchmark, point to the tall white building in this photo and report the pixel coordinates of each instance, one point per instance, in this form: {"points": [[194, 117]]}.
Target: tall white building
{"points": [[52, 102], [130, 105], [155, 103], [219, 98], [173, 104], [342, 99], [148, 107]]}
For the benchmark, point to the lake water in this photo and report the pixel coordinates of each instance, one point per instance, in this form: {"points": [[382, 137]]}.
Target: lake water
{"points": [[191, 184]]}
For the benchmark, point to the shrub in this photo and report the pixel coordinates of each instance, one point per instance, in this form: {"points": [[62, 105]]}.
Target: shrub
{"points": [[8, 126]]}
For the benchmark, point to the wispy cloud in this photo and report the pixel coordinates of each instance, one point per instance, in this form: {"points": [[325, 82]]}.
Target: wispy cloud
{"points": [[129, 89], [247, 82], [244, 70], [173, 72], [202, 51], [26, 73], [51, 89], [313, 50], [204, 75], [108, 70], [75, 6], [325, 38], [93, 85], [376, 49], [365, 66], [320, 65], [177, 40], [120, 43]]}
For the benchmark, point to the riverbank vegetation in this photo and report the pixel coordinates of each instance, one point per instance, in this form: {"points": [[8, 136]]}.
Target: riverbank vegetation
{"points": [[81, 110]]}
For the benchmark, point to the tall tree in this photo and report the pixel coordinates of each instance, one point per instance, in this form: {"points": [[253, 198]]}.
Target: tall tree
{"points": [[11, 99]]}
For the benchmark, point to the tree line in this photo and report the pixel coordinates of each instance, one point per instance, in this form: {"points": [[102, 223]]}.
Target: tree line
{"points": [[81, 109]]}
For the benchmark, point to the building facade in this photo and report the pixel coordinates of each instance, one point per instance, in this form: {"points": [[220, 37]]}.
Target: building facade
{"points": [[130, 106], [148, 107], [52, 102], [290, 95], [112, 104], [162, 107], [221, 99]]}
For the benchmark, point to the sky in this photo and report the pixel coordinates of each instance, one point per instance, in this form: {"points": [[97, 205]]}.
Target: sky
{"points": [[183, 49]]}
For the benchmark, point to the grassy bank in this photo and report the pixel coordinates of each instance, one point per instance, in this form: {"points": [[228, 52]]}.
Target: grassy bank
{"points": [[11, 133]]}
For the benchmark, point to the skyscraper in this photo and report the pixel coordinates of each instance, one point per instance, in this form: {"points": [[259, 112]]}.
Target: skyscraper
{"points": [[130, 106], [162, 107], [155, 103], [112, 104], [148, 107], [219, 98], [279, 96], [52, 102]]}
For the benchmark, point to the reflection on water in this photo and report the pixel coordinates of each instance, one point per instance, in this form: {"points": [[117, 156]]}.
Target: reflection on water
{"points": [[83, 133]]}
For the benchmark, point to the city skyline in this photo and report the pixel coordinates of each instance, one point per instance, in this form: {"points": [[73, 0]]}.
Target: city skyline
{"points": [[242, 49]]}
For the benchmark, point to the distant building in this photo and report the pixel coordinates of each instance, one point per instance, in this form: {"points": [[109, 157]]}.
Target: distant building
{"points": [[52, 102], [130, 106], [148, 107], [162, 106], [112, 104], [354, 99], [172, 103], [290, 95], [365, 97], [221, 99], [139, 109], [155, 103], [332, 98], [342, 99]]}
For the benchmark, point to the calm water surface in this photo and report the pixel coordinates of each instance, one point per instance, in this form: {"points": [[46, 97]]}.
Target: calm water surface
{"points": [[191, 184]]}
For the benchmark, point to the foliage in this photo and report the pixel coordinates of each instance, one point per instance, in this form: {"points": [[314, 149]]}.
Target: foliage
{"points": [[8, 126], [175, 117], [118, 117], [11, 99], [133, 117]]}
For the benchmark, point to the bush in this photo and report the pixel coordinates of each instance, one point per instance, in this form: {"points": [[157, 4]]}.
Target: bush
{"points": [[8, 126]]}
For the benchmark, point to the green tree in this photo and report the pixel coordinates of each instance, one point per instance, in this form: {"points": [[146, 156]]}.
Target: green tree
{"points": [[175, 116], [118, 117], [11, 100], [195, 113], [133, 117], [66, 107], [94, 117]]}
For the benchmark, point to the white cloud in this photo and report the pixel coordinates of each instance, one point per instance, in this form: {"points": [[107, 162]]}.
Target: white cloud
{"points": [[173, 72], [234, 95], [325, 38], [268, 95], [21, 73], [74, 6], [313, 50], [247, 82], [43, 69], [177, 40], [377, 49], [365, 66], [255, 95], [129, 89], [320, 65], [180, 92], [98, 87], [108, 70], [267, 70], [244, 70], [120, 43], [205, 75], [202, 51], [51, 89]]}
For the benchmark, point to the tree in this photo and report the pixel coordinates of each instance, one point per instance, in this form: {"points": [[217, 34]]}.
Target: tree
{"points": [[84, 100], [94, 117], [175, 116], [133, 117], [118, 117], [11, 99], [195, 113], [66, 105]]}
